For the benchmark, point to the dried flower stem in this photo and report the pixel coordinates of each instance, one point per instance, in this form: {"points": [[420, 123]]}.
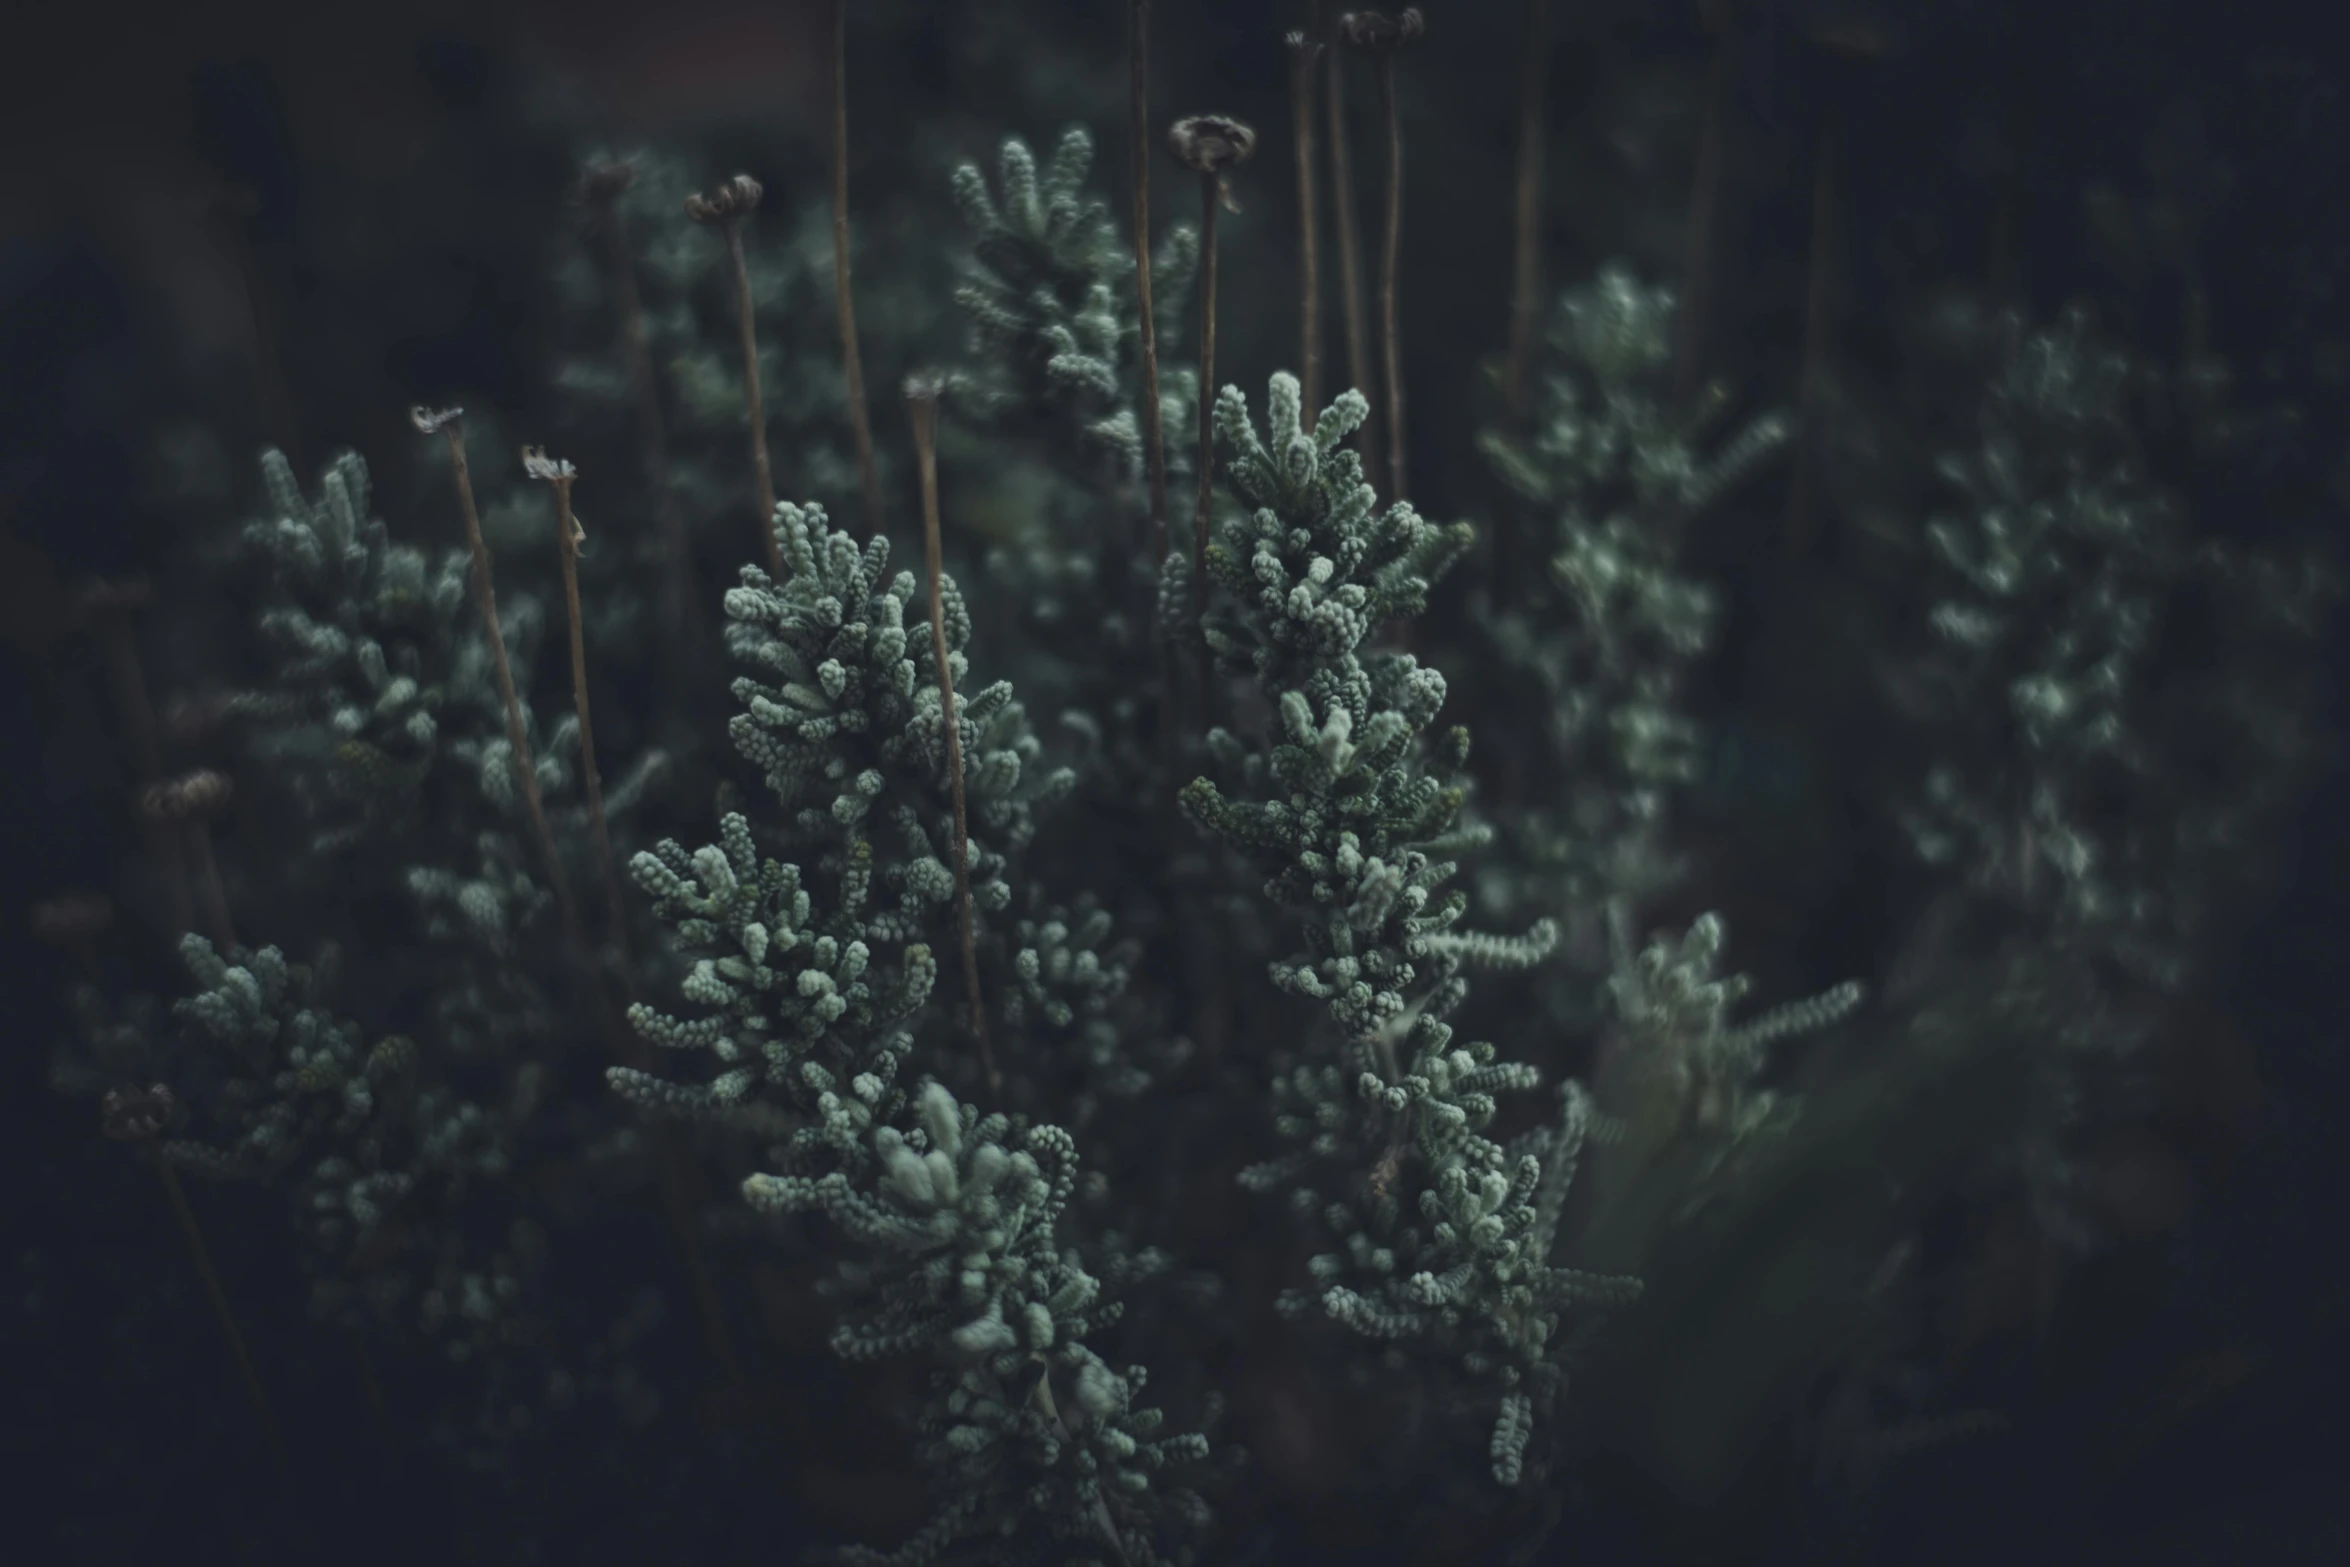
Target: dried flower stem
{"points": [[726, 207], [601, 189], [1704, 201], [922, 408], [1390, 330], [852, 361], [1154, 432], [1210, 145], [569, 536], [451, 427], [1350, 256], [1154, 424], [1305, 55], [1204, 463], [205, 873]]}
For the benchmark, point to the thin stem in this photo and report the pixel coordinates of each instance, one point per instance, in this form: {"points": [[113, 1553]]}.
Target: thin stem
{"points": [[1526, 280], [852, 362], [569, 536], [1153, 425], [1304, 55], [1350, 257], [1211, 192], [922, 407], [205, 873], [202, 1256], [485, 602], [760, 468], [1390, 333], [1704, 200]]}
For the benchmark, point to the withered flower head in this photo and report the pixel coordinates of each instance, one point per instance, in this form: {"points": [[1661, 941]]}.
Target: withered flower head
{"points": [[1302, 50], [738, 197], [1375, 32], [601, 182], [133, 1115], [432, 421], [200, 793], [1211, 143], [538, 465]]}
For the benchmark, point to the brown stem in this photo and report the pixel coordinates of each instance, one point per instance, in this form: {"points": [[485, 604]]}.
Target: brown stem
{"points": [[568, 538], [1704, 202], [205, 873], [761, 470], [202, 1256], [1390, 333], [485, 602], [922, 407], [1525, 280], [1211, 192], [1350, 257], [1818, 337], [852, 361], [1154, 427], [1304, 55], [683, 611]]}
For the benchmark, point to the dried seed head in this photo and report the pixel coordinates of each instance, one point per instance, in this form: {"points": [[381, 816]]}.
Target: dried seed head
{"points": [[1375, 32], [538, 465], [925, 386], [72, 918], [1303, 51], [199, 794], [134, 1115], [738, 197], [600, 183], [1211, 143], [432, 421]]}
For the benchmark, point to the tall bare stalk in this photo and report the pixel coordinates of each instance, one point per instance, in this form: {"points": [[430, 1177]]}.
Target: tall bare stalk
{"points": [[852, 361], [1705, 202], [1305, 58], [1208, 145], [1350, 256], [726, 207], [449, 424], [558, 476], [1379, 36], [922, 409]]}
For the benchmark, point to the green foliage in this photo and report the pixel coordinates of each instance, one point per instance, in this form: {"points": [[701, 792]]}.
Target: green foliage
{"points": [[1602, 643], [1444, 1235], [953, 1220]]}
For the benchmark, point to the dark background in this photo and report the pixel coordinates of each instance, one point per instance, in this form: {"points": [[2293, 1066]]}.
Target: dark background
{"points": [[121, 305]]}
